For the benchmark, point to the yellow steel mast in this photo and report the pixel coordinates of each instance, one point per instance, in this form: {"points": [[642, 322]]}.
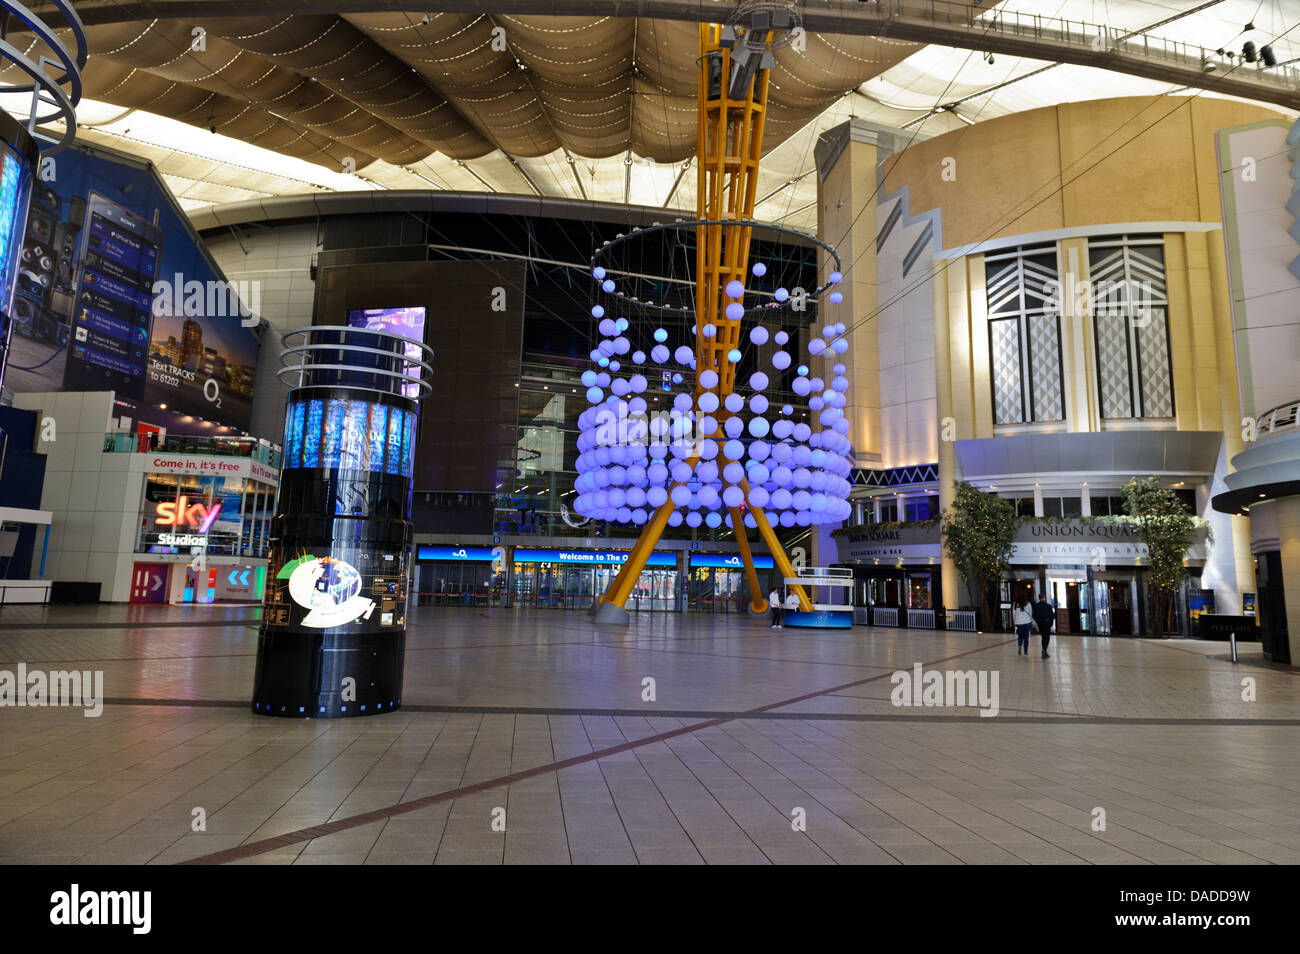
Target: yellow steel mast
{"points": [[733, 84]]}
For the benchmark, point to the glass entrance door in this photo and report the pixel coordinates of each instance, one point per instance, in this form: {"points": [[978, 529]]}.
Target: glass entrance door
{"points": [[1101, 608]]}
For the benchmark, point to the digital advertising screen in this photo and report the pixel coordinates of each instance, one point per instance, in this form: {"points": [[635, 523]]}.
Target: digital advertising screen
{"points": [[407, 322], [346, 434], [115, 291], [113, 306]]}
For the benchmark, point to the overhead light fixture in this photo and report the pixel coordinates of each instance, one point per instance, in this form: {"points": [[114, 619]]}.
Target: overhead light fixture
{"points": [[424, 20], [1266, 54]]}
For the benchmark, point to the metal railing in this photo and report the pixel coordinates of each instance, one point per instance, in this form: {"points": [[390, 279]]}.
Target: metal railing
{"points": [[1139, 52], [1284, 417], [960, 620], [884, 616], [1097, 37], [920, 619], [124, 442]]}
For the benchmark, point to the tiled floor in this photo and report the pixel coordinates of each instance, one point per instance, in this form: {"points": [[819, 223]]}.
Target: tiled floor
{"points": [[535, 721]]}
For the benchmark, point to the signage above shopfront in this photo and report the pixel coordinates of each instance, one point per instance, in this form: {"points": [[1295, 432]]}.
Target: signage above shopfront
{"points": [[898, 543], [182, 513], [588, 557], [207, 466], [728, 561], [1094, 542], [463, 554]]}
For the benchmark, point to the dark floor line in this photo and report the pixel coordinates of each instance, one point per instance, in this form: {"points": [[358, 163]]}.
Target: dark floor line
{"points": [[403, 808], [127, 624], [1048, 716]]}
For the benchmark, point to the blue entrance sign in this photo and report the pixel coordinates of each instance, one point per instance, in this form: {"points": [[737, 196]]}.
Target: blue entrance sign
{"points": [[588, 557], [728, 561], [467, 554]]}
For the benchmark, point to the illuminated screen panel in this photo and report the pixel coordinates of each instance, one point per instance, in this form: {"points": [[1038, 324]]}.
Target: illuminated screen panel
{"points": [[393, 459], [11, 180], [378, 434], [343, 434], [293, 435], [353, 445], [408, 444], [311, 433], [407, 322]]}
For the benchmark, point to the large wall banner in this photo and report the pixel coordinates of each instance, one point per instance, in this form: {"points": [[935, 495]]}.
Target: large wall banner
{"points": [[116, 292]]}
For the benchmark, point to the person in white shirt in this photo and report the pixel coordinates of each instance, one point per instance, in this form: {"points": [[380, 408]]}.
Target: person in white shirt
{"points": [[791, 602], [774, 601], [1023, 620]]}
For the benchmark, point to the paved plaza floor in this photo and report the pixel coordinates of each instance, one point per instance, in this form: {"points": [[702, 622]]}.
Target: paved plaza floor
{"points": [[538, 737]]}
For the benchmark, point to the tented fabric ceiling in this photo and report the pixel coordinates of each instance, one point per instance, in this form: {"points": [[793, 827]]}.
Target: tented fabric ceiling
{"points": [[599, 108]]}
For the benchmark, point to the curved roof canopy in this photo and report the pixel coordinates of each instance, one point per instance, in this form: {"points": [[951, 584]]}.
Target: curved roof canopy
{"points": [[232, 103]]}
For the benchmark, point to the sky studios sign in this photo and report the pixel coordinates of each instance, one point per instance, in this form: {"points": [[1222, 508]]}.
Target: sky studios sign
{"points": [[182, 514]]}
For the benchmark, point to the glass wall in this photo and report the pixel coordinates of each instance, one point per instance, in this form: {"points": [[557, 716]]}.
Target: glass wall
{"points": [[563, 586], [459, 584], [231, 515]]}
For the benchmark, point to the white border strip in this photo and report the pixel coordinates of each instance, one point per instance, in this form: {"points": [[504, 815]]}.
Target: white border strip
{"points": [[1055, 235]]}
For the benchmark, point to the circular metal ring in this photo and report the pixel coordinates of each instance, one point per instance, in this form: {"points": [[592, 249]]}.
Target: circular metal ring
{"points": [[47, 88], [397, 353], [314, 348], [423, 386], [696, 223]]}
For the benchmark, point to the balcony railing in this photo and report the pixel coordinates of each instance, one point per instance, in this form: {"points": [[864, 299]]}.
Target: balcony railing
{"points": [[126, 443]]}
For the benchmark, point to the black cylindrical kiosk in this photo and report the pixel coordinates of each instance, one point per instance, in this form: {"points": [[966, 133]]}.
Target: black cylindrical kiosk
{"points": [[333, 627]]}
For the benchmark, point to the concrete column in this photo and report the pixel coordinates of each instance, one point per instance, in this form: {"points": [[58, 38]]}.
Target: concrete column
{"points": [[1287, 510], [948, 429], [846, 220]]}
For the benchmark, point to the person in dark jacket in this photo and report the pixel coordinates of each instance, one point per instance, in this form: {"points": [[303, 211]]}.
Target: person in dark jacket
{"points": [[1045, 618]]}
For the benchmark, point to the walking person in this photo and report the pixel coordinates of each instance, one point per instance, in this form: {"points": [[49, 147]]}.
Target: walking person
{"points": [[1045, 617], [1022, 619], [774, 601]]}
